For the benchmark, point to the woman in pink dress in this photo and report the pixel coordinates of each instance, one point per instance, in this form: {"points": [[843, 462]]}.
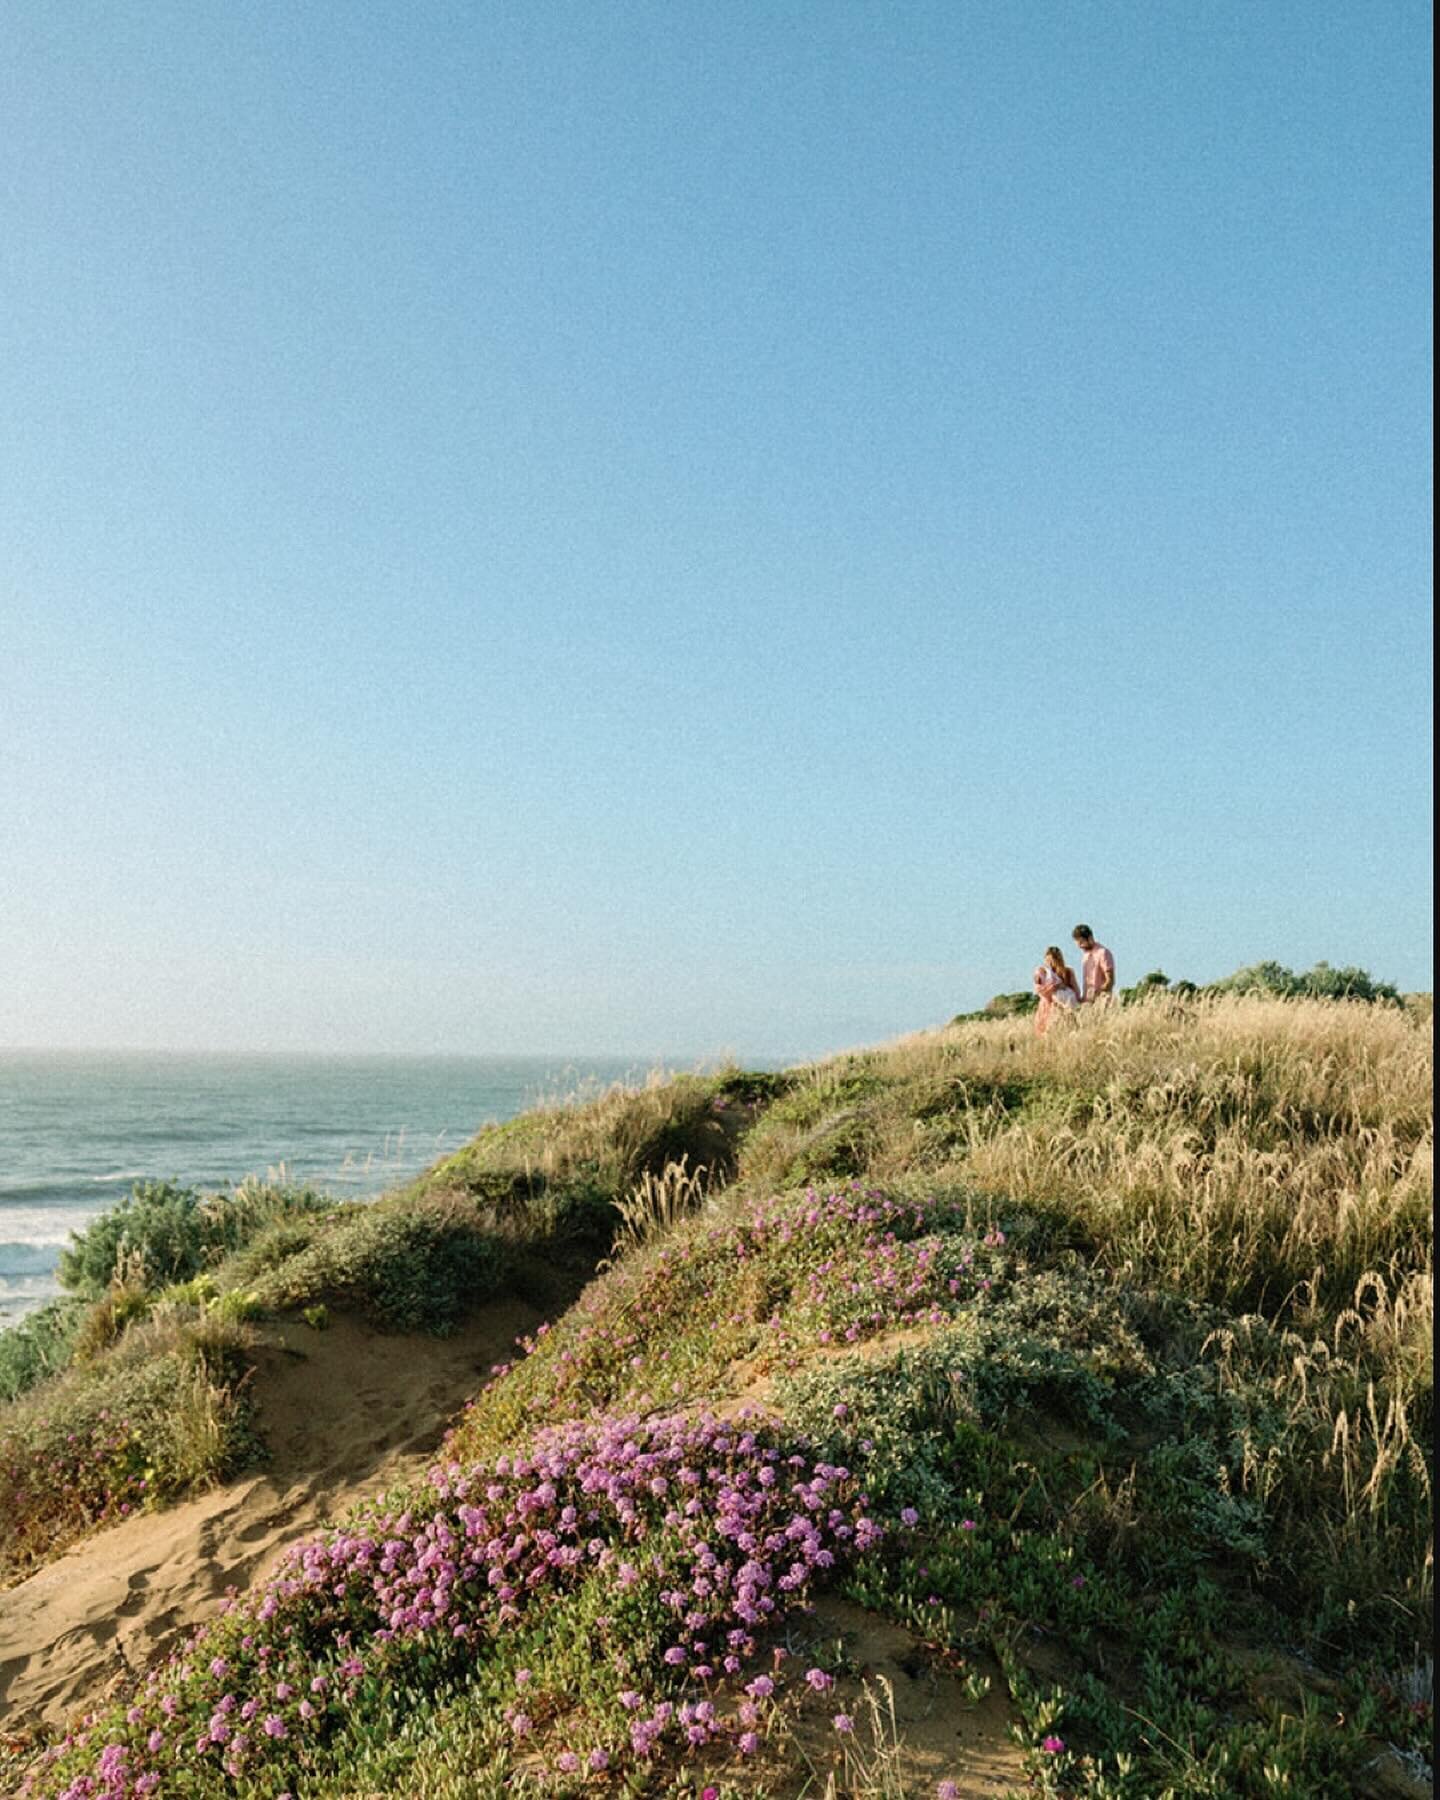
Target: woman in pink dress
{"points": [[1054, 981]]}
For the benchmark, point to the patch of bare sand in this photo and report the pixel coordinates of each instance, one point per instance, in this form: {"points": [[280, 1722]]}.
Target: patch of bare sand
{"points": [[346, 1413], [939, 1733], [930, 1730]]}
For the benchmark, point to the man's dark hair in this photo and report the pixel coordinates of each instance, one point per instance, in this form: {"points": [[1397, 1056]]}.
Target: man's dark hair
{"points": [[1083, 934]]}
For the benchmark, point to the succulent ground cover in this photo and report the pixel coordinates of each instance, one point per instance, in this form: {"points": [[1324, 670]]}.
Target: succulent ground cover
{"points": [[1099, 1363], [668, 1545], [761, 1289]]}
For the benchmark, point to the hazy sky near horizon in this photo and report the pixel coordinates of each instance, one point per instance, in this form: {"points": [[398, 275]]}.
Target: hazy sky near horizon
{"points": [[673, 528]]}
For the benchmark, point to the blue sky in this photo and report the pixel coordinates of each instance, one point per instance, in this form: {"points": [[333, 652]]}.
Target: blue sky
{"points": [[669, 528]]}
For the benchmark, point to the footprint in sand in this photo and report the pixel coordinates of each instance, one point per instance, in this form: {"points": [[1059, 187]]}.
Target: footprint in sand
{"points": [[135, 1603]]}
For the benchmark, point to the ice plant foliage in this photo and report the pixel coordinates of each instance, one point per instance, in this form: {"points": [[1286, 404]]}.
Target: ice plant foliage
{"points": [[721, 1526], [789, 1275]]}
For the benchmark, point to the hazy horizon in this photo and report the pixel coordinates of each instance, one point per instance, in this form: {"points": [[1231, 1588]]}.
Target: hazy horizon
{"points": [[642, 1059], [241, 1053]]}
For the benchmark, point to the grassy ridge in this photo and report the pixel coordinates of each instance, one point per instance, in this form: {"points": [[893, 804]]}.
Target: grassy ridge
{"points": [[1117, 1340], [1261, 1154]]}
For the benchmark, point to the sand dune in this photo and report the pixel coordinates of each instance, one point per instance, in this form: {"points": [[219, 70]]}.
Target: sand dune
{"points": [[346, 1412]]}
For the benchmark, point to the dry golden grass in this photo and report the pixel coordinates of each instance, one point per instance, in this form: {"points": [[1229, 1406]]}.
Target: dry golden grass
{"points": [[1266, 1154], [657, 1203], [1351, 1063]]}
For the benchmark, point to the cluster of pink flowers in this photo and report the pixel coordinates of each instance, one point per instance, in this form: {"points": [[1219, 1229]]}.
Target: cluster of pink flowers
{"points": [[731, 1528], [880, 1264], [726, 1527]]}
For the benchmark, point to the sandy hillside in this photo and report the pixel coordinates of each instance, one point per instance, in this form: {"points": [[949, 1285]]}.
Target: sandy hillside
{"points": [[346, 1412]]}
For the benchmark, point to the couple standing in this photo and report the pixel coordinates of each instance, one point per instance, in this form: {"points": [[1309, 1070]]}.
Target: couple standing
{"points": [[1055, 982]]}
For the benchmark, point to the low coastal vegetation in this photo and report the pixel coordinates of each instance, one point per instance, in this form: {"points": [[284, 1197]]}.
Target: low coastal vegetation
{"points": [[1097, 1366], [133, 1391]]}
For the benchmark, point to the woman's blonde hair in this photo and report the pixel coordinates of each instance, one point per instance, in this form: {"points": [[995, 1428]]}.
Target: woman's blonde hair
{"points": [[1055, 956]]}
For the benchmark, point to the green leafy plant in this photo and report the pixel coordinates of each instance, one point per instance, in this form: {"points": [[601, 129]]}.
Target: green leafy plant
{"points": [[163, 1234], [1320, 983], [40, 1345]]}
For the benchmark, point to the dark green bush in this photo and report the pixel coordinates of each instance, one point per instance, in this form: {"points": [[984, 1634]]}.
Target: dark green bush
{"points": [[1320, 983], [38, 1346], [1148, 987], [158, 1226], [754, 1087], [1001, 1006], [162, 1233]]}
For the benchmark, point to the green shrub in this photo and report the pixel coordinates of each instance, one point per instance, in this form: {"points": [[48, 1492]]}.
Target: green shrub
{"points": [[1150, 987], [40, 1345], [1038, 1351], [158, 1224], [161, 1415], [408, 1271], [236, 1305], [103, 1321], [1001, 1006], [1320, 983], [197, 1293], [757, 1088], [1221, 1438], [161, 1233], [273, 1246]]}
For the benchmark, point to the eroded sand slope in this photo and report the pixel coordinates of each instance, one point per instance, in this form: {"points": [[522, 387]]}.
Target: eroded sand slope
{"points": [[346, 1412]]}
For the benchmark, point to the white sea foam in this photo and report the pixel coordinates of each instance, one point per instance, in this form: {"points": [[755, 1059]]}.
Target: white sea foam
{"points": [[21, 1294], [31, 1239], [42, 1226]]}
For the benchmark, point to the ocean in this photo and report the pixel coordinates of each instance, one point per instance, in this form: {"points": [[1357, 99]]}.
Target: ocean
{"points": [[77, 1131]]}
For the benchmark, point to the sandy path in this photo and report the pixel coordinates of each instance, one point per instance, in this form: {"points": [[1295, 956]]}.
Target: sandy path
{"points": [[346, 1413]]}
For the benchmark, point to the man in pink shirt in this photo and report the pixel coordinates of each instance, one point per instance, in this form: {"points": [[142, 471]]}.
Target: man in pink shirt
{"points": [[1098, 971]]}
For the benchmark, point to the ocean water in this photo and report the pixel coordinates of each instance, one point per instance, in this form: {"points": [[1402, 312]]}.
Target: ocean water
{"points": [[78, 1131]]}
